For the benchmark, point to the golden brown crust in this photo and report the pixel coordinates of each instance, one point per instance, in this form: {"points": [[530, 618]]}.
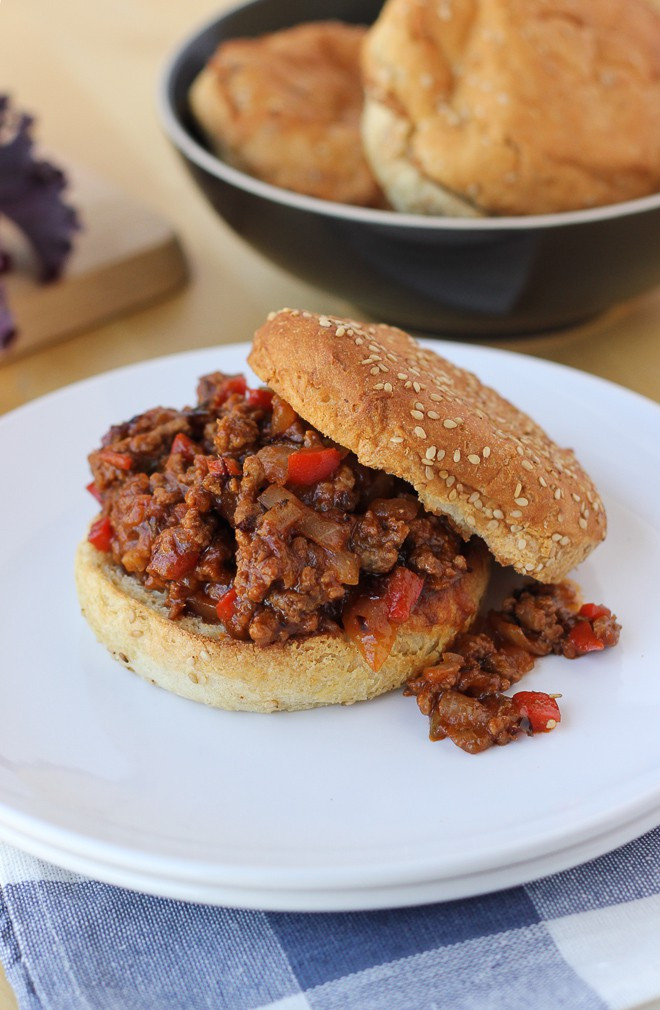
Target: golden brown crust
{"points": [[468, 452], [286, 108], [198, 661], [518, 106]]}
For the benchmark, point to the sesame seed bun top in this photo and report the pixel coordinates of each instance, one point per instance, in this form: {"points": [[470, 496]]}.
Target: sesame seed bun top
{"points": [[466, 450]]}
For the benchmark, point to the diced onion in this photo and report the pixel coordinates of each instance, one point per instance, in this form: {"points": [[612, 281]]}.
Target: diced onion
{"points": [[289, 511]]}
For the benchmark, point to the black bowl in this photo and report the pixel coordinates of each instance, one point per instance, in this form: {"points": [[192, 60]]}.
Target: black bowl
{"points": [[506, 275]]}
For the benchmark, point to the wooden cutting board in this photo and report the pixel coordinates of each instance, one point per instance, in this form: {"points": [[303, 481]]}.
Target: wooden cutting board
{"points": [[125, 256]]}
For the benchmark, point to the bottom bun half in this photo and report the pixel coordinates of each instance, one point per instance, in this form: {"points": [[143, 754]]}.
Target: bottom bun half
{"points": [[199, 661]]}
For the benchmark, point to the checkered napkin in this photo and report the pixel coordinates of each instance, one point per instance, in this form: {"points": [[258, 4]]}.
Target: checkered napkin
{"points": [[585, 939]]}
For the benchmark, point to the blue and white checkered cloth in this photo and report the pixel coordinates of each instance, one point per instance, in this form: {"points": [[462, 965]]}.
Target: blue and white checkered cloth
{"points": [[585, 939]]}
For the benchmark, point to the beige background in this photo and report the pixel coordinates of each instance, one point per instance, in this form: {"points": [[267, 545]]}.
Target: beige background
{"points": [[89, 69]]}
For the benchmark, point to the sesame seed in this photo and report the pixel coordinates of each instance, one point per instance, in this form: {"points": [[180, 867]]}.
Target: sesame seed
{"points": [[527, 465], [429, 472], [565, 541], [521, 543], [358, 340], [374, 347], [575, 496], [379, 385], [448, 423], [486, 451], [521, 501], [408, 384], [324, 321], [518, 489], [471, 521], [416, 387], [550, 724], [391, 357], [419, 432], [498, 513], [558, 493], [418, 405], [444, 474], [396, 438], [519, 450], [492, 525], [473, 458], [473, 497], [450, 480], [366, 361], [340, 331], [383, 367], [387, 387], [478, 504], [436, 397], [543, 482], [433, 414], [375, 370], [516, 514], [430, 452], [453, 494], [401, 375], [529, 567], [457, 456], [441, 454], [514, 528], [417, 414], [582, 523], [271, 316]]}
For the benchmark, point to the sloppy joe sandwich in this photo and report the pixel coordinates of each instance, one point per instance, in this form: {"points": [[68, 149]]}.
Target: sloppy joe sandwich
{"points": [[286, 107], [325, 538], [513, 106]]}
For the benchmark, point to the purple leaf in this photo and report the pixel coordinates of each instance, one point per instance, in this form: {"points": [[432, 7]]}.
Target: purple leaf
{"points": [[7, 327], [31, 194]]}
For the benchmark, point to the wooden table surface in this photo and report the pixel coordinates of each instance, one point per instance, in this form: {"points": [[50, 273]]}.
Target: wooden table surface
{"points": [[89, 71]]}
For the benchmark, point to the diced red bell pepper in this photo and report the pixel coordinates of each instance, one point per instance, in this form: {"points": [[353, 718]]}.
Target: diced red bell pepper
{"points": [[583, 637], [122, 460], [541, 710], [100, 534], [593, 610], [225, 466], [93, 490], [183, 446], [235, 384], [402, 592], [226, 605], [260, 398], [367, 623], [311, 465]]}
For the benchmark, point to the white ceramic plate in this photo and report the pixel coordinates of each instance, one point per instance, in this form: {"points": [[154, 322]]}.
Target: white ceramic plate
{"points": [[337, 808]]}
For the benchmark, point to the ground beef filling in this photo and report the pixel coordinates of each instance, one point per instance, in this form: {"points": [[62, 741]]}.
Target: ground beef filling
{"points": [[240, 512], [462, 695]]}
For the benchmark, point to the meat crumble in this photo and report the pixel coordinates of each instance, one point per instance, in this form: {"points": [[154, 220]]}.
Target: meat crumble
{"points": [[462, 695], [240, 512]]}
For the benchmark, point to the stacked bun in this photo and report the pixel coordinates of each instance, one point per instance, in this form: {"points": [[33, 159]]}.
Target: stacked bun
{"points": [[451, 107], [513, 106]]}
